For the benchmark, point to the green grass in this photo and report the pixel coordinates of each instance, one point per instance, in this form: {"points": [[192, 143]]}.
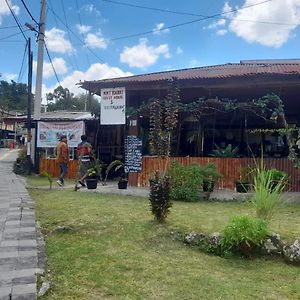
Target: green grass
{"points": [[36, 181], [117, 251]]}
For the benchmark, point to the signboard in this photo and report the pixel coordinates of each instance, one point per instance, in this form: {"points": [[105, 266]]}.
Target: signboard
{"points": [[133, 154], [49, 133], [113, 106]]}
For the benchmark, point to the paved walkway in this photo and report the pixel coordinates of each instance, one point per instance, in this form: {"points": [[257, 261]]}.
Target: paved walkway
{"points": [[18, 238]]}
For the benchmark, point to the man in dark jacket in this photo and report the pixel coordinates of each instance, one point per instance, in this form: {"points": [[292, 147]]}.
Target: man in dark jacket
{"points": [[84, 153]]}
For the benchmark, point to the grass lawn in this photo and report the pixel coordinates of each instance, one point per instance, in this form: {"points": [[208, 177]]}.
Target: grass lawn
{"points": [[116, 251]]}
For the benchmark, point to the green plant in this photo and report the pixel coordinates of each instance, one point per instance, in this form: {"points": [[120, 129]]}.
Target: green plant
{"points": [[116, 165], [229, 151], [266, 194], [246, 174], [96, 170], [185, 181], [49, 177], [210, 172], [159, 197], [243, 235], [23, 164], [278, 175]]}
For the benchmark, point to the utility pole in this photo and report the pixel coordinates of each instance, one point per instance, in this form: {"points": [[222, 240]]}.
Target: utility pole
{"points": [[29, 101], [39, 69]]}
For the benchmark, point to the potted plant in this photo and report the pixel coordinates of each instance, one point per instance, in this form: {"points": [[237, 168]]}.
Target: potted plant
{"points": [[210, 176], [92, 178], [119, 167], [93, 175], [243, 185]]}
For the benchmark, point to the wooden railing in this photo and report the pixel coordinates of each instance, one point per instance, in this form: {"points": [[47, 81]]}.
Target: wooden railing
{"points": [[52, 167], [229, 167]]}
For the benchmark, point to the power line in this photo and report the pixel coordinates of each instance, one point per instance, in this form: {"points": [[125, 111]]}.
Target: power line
{"points": [[11, 35], [28, 11], [189, 22], [16, 20], [77, 37], [49, 57], [65, 17], [80, 22], [193, 14], [8, 27], [22, 65]]}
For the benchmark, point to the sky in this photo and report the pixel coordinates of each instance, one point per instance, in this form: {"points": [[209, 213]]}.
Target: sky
{"points": [[98, 39]]}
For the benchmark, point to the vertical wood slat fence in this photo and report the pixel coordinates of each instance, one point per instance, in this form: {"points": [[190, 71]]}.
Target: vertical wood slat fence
{"points": [[51, 166], [229, 167]]}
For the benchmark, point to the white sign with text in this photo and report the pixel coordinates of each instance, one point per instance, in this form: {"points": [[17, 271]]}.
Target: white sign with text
{"points": [[113, 106]]}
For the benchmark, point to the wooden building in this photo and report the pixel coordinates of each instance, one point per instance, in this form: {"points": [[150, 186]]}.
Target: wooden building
{"points": [[235, 81]]}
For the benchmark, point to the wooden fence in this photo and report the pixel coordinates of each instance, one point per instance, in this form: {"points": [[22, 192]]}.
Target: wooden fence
{"points": [[52, 167], [229, 167]]}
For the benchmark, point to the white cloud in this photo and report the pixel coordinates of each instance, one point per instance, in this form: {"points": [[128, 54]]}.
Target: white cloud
{"points": [[91, 9], [222, 31], [142, 55], [59, 66], [276, 11], [83, 28], [158, 29], [179, 50], [9, 76], [4, 10], [194, 63], [56, 41], [96, 41], [94, 72], [220, 22]]}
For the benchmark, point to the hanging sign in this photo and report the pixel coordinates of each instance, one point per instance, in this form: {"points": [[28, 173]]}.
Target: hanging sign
{"points": [[133, 154], [113, 106], [49, 133]]}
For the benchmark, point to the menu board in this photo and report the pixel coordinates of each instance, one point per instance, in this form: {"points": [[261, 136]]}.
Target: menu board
{"points": [[133, 154]]}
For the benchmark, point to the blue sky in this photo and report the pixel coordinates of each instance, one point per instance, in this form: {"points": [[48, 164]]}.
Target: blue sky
{"points": [[264, 30]]}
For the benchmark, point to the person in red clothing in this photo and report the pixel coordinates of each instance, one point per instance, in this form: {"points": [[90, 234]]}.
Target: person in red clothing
{"points": [[84, 153], [62, 158]]}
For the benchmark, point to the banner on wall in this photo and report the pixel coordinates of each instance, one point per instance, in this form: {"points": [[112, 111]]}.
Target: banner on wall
{"points": [[113, 106], [49, 133]]}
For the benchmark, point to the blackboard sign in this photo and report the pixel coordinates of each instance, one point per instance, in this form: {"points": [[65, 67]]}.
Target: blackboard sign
{"points": [[133, 154]]}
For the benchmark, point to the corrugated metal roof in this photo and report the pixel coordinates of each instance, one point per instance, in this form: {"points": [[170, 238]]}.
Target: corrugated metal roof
{"points": [[66, 115], [242, 69]]}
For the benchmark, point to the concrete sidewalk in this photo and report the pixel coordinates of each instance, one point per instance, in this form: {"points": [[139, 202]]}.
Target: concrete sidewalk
{"points": [[18, 237]]}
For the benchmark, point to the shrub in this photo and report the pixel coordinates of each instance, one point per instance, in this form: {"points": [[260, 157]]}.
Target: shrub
{"points": [[244, 235], [185, 181], [49, 177], [159, 196], [266, 193], [22, 165]]}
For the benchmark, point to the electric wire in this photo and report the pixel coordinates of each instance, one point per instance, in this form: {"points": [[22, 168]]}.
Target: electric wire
{"points": [[188, 22], [49, 57], [193, 14], [16, 20], [22, 65], [157, 30], [75, 35], [11, 35], [80, 22], [69, 36], [28, 11]]}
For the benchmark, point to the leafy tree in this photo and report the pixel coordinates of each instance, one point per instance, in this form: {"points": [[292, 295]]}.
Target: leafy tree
{"points": [[63, 99], [13, 96]]}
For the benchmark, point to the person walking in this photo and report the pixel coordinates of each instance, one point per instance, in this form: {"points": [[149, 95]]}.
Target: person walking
{"points": [[62, 158], [84, 153]]}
